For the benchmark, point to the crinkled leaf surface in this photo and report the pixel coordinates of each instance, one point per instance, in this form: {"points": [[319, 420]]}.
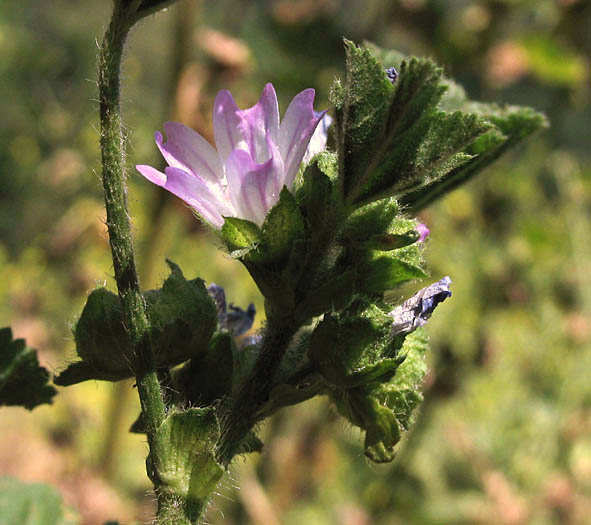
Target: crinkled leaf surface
{"points": [[182, 316], [22, 381], [412, 139]]}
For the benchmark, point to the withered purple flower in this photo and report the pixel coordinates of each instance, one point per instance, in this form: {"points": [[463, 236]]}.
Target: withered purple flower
{"points": [[256, 156], [416, 311], [232, 318]]}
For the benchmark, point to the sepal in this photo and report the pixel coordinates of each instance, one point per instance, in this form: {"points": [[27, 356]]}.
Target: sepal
{"points": [[284, 223], [241, 236]]}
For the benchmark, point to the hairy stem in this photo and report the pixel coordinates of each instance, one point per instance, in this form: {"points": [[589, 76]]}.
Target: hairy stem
{"points": [[171, 507], [118, 221]]}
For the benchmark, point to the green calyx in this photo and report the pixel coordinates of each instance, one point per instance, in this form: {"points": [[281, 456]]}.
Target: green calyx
{"points": [[182, 457]]}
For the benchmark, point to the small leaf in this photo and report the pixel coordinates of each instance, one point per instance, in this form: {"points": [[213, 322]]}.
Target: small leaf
{"points": [[373, 218], [382, 430], [345, 347], [385, 409], [512, 125], [81, 371], [315, 193], [22, 381]]}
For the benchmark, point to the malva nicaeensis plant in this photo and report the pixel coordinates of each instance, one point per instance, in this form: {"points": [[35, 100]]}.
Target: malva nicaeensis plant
{"points": [[324, 234]]}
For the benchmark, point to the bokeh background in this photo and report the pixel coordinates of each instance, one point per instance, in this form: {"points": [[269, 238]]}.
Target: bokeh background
{"points": [[504, 435]]}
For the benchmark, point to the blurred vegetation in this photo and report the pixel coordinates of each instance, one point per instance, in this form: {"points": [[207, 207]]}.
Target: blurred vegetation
{"points": [[505, 431]]}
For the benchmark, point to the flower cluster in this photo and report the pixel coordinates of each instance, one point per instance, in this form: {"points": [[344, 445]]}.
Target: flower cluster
{"points": [[256, 156]]}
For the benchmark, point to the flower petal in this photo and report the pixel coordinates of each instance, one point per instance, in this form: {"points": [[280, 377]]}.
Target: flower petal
{"points": [[192, 189], [254, 188], [296, 129], [245, 129], [189, 151], [260, 123], [226, 125], [319, 137]]}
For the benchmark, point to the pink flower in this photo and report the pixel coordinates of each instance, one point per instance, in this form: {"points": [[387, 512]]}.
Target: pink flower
{"points": [[256, 156]]}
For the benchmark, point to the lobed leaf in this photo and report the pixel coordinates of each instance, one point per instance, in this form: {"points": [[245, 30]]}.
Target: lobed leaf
{"points": [[182, 317], [22, 381]]}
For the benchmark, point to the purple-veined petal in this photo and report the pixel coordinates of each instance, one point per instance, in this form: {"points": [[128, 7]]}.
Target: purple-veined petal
{"points": [[192, 189], [253, 187], [296, 129], [245, 129], [226, 125], [318, 141], [261, 123], [189, 151]]}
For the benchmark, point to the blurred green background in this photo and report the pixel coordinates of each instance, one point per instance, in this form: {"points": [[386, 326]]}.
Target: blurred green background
{"points": [[504, 435]]}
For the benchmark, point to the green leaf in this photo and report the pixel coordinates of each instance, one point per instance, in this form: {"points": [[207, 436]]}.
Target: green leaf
{"points": [[384, 407], [345, 347], [373, 218], [22, 381], [512, 125], [366, 101], [30, 504], [382, 429], [183, 455], [419, 138], [182, 317]]}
